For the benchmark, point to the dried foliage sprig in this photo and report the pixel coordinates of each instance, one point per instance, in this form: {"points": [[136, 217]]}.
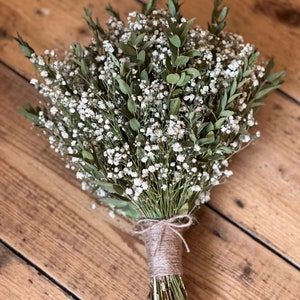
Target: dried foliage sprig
{"points": [[150, 112]]}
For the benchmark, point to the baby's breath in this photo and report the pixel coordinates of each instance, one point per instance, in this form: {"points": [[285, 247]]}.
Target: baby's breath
{"points": [[151, 111]]}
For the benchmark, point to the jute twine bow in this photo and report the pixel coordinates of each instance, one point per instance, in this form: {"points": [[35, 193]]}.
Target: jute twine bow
{"points": [[163, 241]]}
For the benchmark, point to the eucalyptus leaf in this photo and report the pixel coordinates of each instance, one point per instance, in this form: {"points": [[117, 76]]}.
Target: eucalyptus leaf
{"points": [[126, 48], [219, 123], [139, 39], [193, 72], [141, 56], [181, 60], [131, 106], [175, 40], [174, 106], [86, 155], [144, 75], [134, 124], [209, 139], [124, 87], [111, 187], [226, 113], [233, 87], [173, 78], [264, 92]]}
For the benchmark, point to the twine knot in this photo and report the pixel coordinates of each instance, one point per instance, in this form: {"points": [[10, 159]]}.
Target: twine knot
{"points": [[163, 240]]}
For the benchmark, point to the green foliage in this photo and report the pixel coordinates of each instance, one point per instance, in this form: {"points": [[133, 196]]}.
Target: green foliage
{"points": [[24, 46], [119, 79], [218, 18]]}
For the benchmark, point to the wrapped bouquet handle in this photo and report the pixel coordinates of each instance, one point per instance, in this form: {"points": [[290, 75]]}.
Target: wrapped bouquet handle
{"points": [[163, 241]]}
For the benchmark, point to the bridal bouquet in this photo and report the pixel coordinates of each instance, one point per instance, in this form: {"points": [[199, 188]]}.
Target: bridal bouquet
{"points": [[149, 115]]}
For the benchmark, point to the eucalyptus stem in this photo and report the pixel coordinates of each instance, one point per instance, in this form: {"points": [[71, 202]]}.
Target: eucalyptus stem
{"points": [[169, 287]]}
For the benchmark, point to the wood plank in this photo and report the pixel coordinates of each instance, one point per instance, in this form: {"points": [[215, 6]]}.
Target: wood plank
{"points": [[272, 25], [49, 220], [20, 281], [263, 194], [95, 260]]}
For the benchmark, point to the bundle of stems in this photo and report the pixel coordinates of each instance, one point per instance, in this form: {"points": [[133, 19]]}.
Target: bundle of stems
{"points": [[149, 115]]}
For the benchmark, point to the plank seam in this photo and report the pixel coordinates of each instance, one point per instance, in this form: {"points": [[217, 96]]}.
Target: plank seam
{"points": [[39, 270], [260, 241]]}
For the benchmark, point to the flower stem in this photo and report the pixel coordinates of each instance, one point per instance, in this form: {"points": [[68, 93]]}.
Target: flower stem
{"points": [[169, 287]]}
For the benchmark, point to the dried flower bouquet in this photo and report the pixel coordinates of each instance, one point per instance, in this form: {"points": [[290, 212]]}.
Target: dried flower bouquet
{"points": [[149, 114]]}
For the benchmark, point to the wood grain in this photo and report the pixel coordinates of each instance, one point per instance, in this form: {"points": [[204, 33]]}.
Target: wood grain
{"points": [[271, 25], [48, 219], [263, 194], [19, 281]]}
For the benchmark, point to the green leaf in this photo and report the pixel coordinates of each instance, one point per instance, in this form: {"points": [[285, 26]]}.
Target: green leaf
{"points": [[243, 82], [34, 118], [219, 123], [224, 13], [225, 149], [114, 201], [265, 91], [124, 206], [174, 106], [124, 87], [233, 87], [226, 113], [115, 60], [247, 73], [78, 50], [177, 92], [181, 81], [173, 78], [91, 169], [149, 7], [181, 60], [87, 155], [141, 56], [175, 40], [224, 101], [147, 45], [193, 72], [127, 49], [139, 39], [273, 77], [210, 127], [253, 57], [172, 8], [209, 139], [184, 209], [134, 124], [111, 187], [24, 46], [144, 75], [84, 68], [112, 12], [131, 106], [201, 127], [270, 66], [192, 137], [185, 29], [234, 97]]}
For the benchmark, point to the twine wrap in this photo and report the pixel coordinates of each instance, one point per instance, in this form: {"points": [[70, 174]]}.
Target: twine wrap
{"points": [[163, 241]]}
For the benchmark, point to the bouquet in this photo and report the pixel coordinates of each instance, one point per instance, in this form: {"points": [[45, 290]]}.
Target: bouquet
{"points": [[149, 115]]}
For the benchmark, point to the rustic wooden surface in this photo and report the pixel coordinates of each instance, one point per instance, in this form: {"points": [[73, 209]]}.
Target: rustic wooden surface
{"points": [[54, 246]]}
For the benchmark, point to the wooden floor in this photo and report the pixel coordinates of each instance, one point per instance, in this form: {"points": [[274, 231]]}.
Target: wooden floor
{"points": [[55, 246]]}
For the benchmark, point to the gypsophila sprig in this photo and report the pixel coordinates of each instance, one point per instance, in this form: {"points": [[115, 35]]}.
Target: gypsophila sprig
{"points": [[151, 111]]}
